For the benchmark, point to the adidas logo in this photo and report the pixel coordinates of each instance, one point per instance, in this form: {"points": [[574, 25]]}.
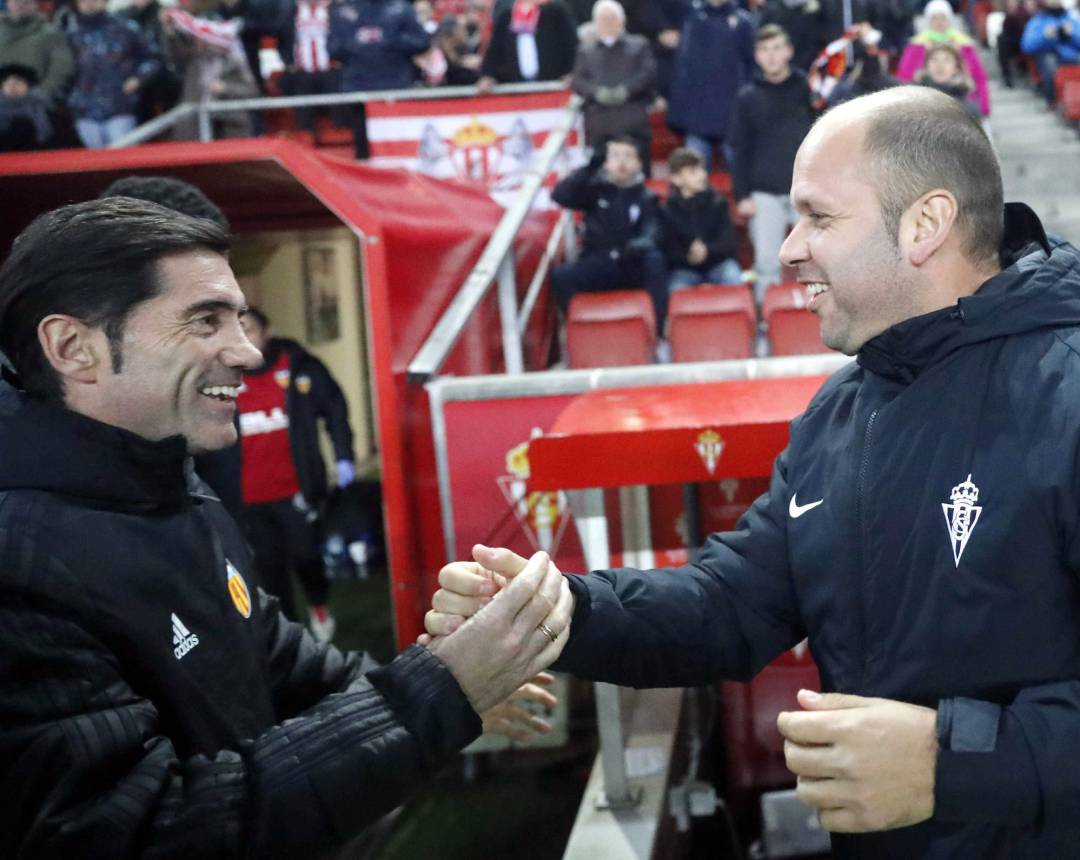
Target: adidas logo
{"points": [[183, 640]]}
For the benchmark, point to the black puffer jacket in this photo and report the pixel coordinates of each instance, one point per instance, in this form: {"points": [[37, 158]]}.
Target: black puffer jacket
{"points": [[909, 585], [145, 690]]}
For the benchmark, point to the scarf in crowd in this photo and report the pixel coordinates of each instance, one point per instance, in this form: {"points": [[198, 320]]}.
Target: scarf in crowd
{"points": [[219, 34], [525, 15]]}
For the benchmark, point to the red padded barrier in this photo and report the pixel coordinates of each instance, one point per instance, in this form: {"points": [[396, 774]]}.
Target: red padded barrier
{"points": [[712, 322], [610, 329], [793, 330]]}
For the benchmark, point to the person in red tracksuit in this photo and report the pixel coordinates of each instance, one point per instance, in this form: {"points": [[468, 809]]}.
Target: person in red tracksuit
{"points": [[283, 475]]}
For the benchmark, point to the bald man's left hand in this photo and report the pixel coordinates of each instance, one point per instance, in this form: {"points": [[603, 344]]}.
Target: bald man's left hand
{"points": [[865, 764]]}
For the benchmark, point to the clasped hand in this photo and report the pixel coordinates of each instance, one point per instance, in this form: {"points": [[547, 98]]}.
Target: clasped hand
{"points": [[865, 764]]}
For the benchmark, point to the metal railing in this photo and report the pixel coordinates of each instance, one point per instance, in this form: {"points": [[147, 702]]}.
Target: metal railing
{"points": [[206, 109], [497, 263]]}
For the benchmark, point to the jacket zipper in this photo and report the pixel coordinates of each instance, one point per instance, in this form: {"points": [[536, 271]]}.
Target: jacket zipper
{"points": [[862, 571]]}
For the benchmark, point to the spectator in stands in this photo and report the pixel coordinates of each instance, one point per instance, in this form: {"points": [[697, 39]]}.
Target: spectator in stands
{"points": [[621, 250], [284, 476], [833, 81], [699, 238], [375, 41], [303, 47], [113, 61], [1052, 37], [659, 21], [155, 702], [716, 57], [24, 110], [533, 40], [255, 19], [452, 38], [27, 39], [162, 91], [896, 21], [211, 54], [803, 21], [944, 71], [616, 75], [940, 30], [771, 117], [1009, 53]]}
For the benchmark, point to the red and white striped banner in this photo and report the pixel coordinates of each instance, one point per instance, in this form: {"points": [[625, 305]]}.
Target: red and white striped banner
{"points": [[488, 140]]}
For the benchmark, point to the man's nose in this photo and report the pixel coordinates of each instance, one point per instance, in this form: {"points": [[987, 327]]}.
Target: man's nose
{"points": [[242, 353], [794, 249]]}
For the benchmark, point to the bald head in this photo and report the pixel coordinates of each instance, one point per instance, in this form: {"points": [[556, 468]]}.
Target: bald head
{"points": [[914, 140]]}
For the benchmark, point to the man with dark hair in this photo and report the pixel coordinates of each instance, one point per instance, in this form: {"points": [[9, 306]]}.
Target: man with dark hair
{"points": [[154, 703], [771, 117], [922, 527], [283, 475], [220, 469], [621, 250]]}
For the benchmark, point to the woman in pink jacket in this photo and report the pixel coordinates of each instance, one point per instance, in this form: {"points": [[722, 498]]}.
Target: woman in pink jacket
{"points": [[939, 21]]}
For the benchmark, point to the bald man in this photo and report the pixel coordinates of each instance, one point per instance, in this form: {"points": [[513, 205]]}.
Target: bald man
{"points": [[921, 528]]}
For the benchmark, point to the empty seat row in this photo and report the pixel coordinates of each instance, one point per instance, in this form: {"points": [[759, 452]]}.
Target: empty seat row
{"points": [[705, 323]]}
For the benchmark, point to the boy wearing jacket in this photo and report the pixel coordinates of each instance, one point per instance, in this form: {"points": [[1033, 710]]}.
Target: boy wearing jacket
{"points": [[699, 238]]}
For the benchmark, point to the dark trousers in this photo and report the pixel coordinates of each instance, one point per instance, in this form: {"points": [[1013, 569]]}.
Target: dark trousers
{"points": [[283, 539], [596, 272], [301, 83]]}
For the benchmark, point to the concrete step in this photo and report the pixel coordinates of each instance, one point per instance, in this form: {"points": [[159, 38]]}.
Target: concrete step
{"points": [[1020, 122], [1050, 145], [1060, 174]]}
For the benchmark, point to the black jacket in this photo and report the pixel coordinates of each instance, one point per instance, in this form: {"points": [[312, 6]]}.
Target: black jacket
{"points": [[980, 621], [312, 395], [617, 220], [768, 123], [141, 712], [704, 216], [556, 42]]}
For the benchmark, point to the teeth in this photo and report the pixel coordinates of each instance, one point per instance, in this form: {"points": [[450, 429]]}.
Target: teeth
{"points": [[816, 289], [228, 391]]}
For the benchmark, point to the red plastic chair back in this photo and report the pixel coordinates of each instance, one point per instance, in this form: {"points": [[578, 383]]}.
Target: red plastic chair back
{"points": [[610, 329], [710, 322]]}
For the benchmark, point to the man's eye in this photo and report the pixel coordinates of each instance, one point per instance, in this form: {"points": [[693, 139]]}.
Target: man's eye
{"points": [[207, 323]]}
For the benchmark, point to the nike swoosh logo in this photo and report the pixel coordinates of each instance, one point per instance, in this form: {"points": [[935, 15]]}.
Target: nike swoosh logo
{"points": [[796, 510]]}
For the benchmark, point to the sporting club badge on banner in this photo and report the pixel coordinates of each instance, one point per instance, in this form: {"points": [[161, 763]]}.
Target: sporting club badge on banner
{"points": [[488, 140]]}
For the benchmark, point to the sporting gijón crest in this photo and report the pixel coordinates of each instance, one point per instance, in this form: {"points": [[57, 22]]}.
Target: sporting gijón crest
{"points": [[962, 515]]}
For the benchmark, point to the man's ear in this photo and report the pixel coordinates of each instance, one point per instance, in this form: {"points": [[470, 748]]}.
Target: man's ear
{"points": [[927, 224], [76, 351]]}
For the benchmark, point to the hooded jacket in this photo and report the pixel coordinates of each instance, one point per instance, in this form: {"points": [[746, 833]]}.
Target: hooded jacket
{"points": [[32, 41], [938, 567], [375, 41], [153, 703]]}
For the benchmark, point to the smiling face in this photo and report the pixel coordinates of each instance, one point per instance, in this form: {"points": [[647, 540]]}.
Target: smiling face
{"points": [[182, 357], [854, 271]]}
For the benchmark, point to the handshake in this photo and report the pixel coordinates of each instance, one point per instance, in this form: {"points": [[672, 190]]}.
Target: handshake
{"points": [[496, 623]]}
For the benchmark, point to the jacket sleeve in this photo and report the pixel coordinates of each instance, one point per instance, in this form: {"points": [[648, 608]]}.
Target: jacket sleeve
{"points": [[60, 70], [87, 767], [722, 242], [727, 616], [642, 83], [676, 245], [287, 34], [147, 57], [333, 408], [496, 57], [910, 61], [573, 192], [978, 77], [410, 38], [1034, 39], [582, 79], [741, 146], [341, 40]]}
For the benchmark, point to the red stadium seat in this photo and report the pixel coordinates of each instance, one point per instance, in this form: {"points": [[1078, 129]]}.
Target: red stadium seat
{"points": [[754, 747], [981, 12], [610, 329], [1070, 101], [1063, 75], [709, 323], [664, 140], [793, 330]]}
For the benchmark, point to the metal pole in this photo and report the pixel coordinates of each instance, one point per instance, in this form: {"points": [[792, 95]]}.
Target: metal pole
{"points": [[206, 130], [507, 295], [154, 127]]}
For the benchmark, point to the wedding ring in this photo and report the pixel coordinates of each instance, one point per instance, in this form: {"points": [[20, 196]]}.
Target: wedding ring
{"points": [[547, 631]]}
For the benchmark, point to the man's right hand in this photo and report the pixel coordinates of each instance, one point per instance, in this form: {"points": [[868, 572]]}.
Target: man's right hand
{"points": [[746, 208], [698, 253], [503, 641]]}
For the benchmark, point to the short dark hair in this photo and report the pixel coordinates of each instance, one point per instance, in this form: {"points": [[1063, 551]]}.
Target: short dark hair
{"points": [[625, 140], [170, 193], [94, 261], [919, 139], [682, 158], [771, 31]]}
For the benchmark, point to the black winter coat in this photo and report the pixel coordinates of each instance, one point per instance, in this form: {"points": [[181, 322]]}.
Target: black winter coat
{"points": [[704, 216], [556, 44], [617, 220], [146, 688], [940, 566], [768, 124]]}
